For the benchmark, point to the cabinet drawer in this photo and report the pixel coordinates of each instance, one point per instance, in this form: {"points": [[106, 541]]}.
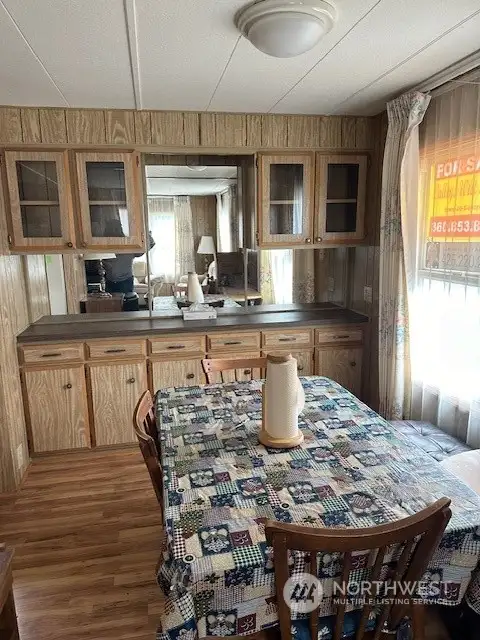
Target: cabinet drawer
{"points": [[117, 349], [338, 335], [51, 353], [179, 344], [224, 342], [290, 338]]}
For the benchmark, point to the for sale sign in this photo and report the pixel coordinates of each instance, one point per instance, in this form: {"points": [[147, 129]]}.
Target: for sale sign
{"points": [[454, 200]]}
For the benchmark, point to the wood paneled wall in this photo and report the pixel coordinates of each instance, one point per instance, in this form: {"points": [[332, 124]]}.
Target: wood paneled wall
{"points": [[173, 129], [204, 221], [18, 275], [13, 319], [364, 264], [36, 284]]}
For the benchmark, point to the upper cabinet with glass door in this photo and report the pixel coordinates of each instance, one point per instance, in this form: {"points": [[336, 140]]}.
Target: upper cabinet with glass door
{"points": [[40, 211], [340, 199], [110, 200], [285, 199]]}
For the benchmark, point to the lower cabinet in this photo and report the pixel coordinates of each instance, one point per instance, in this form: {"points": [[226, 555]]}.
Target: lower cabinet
{"points": [[344, 365], [57, 408], [115, 391], [176, 373], [304, 361]]}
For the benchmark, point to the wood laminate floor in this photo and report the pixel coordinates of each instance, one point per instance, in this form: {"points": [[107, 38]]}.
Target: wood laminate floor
{"points": [[87, 534], [86, 531]]}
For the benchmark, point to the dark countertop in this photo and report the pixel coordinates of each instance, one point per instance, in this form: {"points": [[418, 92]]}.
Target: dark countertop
{"points": [[87, 326]]}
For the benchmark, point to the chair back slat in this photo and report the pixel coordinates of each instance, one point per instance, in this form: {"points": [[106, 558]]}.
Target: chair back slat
{"points": [[252, 368], [347, 566], [396, 579], [146, 430], [412, 540], [379, 555]]}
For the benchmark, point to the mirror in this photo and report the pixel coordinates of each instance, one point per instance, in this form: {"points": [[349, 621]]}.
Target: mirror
{"points": [[195, 220]]}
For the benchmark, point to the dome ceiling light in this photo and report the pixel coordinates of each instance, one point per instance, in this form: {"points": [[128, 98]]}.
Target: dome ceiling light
{"points": [[286, 28]]}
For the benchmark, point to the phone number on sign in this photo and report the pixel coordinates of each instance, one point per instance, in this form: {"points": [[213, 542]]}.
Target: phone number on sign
{"points": [[460, 226]]}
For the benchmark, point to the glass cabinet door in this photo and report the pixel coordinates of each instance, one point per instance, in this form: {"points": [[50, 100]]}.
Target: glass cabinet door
{"points": [[285, 206], [109, 203], [40, 213], [341, 185]]}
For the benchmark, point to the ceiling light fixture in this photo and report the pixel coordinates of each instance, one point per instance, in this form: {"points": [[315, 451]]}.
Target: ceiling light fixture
{"points": [[286, 28]]}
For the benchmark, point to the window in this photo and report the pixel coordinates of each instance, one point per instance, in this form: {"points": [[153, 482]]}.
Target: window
{"points": [[445, 298]]}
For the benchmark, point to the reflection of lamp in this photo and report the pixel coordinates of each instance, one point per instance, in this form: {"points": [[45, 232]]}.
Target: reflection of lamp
{"points": [[101, 272], [207, 247]]}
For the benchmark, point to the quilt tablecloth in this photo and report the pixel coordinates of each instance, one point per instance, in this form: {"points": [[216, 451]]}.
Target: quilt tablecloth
{"points": [[352, 470]]}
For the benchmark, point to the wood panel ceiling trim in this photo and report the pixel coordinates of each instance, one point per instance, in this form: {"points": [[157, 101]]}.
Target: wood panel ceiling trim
{"points": [[177, 129]]}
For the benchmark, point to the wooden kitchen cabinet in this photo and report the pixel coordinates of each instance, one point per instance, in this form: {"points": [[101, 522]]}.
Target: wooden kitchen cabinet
{"points": [[110, 200], [39, 214], [285, 199], [176, 373], [115, 390], [340, 183], [344, 365], [57, 408]]}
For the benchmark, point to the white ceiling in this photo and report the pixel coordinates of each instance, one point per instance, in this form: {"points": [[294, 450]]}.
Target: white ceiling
{"points": [[183, 181], [188, 55]]}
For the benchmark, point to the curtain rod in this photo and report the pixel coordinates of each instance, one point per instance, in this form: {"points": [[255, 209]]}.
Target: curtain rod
{"points": [[446, 79]]}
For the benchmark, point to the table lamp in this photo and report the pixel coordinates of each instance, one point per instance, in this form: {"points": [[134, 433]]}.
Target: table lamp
{"points": [[207, 247], [101, 271]]}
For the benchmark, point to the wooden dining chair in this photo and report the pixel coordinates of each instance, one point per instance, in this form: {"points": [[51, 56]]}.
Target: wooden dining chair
{"points": [[145, 427], [252, 368], [415, 537]]}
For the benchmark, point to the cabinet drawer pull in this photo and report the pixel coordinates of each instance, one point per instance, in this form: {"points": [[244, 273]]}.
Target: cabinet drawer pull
{"points": [[353, 363], [131, 380], [115, 350], [68, 386], [230, 342], [190, 376], [51, 355], [344, 336], [291, 339], [176, 346]]}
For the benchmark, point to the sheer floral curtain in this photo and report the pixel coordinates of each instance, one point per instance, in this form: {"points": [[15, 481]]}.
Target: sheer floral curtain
{"points": [[161, 223], [276, 276], [398, 203], [443, 266], [184, 250], [170, 222], [227, 221]]}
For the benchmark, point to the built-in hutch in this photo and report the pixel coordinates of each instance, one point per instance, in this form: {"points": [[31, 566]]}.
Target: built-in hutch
{"points": [[66, 174], [81, 394]]}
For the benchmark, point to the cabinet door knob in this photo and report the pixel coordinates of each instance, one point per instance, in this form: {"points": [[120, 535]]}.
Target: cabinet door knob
{"points": [[190, 376], [318, 239], [131, 380], [308, 240], [300, 367], [247, 372], [353, 363], [69, 245], [68, 386]]}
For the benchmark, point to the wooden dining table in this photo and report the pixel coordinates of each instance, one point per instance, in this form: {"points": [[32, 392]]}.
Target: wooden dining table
{"points": [[353, 469]]}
